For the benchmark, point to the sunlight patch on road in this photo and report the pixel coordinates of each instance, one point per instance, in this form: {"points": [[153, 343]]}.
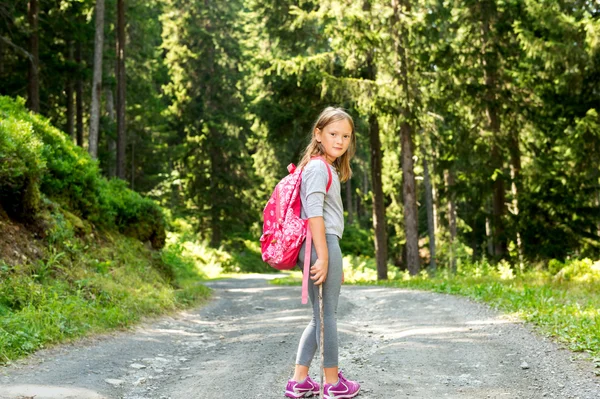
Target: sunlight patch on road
{"points": [[169, 331], [489, 322], [426, 331]]}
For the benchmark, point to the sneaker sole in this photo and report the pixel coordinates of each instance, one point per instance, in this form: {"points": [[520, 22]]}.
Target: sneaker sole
{"points": [[342, 396], [309, 394]]}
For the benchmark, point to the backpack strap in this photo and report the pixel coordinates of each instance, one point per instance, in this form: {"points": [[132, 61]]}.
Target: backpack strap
{"points": [[308, 248]]}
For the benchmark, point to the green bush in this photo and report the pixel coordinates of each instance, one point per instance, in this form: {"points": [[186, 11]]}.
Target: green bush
{"points": [[135, 215], [357, 241], [580, 270], [35, 156], [245, 257], [21, 165]]}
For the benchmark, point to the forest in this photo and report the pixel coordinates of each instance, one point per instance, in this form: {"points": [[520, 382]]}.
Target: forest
{"points": [[477, 121]]}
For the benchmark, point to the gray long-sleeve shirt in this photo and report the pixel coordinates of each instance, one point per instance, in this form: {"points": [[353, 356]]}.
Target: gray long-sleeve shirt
{"points": [[315, 200]]}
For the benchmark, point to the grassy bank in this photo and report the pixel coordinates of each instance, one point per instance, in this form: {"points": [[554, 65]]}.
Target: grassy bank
{"points": [[90, 286], [563, 303], [79, 253]]}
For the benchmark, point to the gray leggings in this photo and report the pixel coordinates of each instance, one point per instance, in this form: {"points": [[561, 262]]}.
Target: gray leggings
{"points": [[331, 292]]}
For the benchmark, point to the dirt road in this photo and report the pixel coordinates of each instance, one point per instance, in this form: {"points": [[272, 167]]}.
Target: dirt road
{"points": [[397, 343]]}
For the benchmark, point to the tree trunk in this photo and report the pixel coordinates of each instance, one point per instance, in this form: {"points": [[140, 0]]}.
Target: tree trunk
{"points": [[121, 137], [406, 131], [598, 206], [97, 80], [410, 201], [111, 143], [430, 215], [490, 74], [488, 231], [515, 172], [379, 225], [34, 48], [70, 90], [449, 180], [1, 58], [349, 208], [79, 94], [215, 217], [132, 163], [361, 208]]}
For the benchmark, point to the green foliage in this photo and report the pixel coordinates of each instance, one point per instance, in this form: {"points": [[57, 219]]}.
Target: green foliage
{"points": [[357, 241], [221, 96], [579, 270], [36, 154], [21, 163], [135, 215], [96, 286], [245, 257]]}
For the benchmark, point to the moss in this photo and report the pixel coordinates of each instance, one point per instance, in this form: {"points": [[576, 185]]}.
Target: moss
{"points": [[30, 199], [80, 226]]}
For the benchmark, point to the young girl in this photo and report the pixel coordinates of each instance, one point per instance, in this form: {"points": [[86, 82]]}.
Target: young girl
{"points": [[333, 140]]}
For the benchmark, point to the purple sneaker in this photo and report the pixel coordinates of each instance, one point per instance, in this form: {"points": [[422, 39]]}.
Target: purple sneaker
{"points": [[343, 389], [302, 389]]}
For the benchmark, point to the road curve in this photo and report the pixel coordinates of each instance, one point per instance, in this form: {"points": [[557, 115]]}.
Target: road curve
{"points": [[397, 343]]}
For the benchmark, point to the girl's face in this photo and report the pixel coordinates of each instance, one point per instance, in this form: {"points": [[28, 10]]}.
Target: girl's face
{"points": [[335, 139]]}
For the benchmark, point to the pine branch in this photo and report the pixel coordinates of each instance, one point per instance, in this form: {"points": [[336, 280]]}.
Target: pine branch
{"points": [[19, 49]]}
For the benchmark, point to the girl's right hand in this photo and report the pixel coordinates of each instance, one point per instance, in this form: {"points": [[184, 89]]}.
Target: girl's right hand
{"points": [[318, 271]]}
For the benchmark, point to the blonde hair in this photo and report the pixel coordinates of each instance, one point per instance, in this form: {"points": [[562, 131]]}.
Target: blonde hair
{"points": [[314, 149]]}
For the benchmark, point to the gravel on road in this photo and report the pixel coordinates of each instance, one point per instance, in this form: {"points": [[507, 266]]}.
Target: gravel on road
{"points": [[397, 343]]}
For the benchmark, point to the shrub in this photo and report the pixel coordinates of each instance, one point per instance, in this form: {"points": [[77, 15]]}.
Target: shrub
{"points": [[245, 257], [35, 156], [357, 241], [580, 270], [21, 165], [135, 215]]}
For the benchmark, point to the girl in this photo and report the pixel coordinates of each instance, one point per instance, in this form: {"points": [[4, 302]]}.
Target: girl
{"points": [[333, 140]]}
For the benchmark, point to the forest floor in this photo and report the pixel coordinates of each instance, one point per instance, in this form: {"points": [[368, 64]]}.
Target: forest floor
{"points": [[397, 343]]}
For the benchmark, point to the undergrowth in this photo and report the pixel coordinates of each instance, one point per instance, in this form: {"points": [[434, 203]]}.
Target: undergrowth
{"points": [[91, 286]]}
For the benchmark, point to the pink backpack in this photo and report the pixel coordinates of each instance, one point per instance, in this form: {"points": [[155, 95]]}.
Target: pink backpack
{"points": [[284, 230]]}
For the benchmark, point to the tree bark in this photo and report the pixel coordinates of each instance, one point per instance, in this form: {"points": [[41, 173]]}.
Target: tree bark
{"points": [[515, 173], [132, 163], [430, 215], [111, 143], [349, 208], [79, 94], [215, 217], [97, 80], [406, 132], [410, 200], [1, 57], [449, 180], [488, 231], [34, 47], [361, 207], [490, 72], [379, 224], [598, 206], [121, 135], [70, 90]]}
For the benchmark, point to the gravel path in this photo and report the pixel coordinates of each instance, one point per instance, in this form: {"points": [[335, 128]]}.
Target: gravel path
{"points": [[242, 344]]}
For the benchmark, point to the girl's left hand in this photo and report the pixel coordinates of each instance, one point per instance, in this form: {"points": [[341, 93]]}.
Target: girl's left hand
{"points": [[318, 271]]}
